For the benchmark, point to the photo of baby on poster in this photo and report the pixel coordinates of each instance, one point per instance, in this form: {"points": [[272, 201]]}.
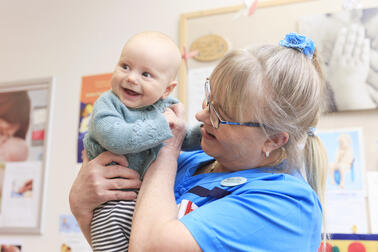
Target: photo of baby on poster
{"points": [[344, 158]]}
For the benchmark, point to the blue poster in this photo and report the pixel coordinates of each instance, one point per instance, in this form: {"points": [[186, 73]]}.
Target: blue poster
{"points": [[344, 158]]}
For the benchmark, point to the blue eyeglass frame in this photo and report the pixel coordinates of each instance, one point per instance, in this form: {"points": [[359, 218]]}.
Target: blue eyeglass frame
{"points": [[220, 121]]}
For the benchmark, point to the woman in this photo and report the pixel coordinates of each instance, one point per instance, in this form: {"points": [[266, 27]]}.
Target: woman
{"points": [[244, 191]]}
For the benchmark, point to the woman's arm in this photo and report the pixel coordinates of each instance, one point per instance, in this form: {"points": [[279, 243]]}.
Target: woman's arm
{"points": [[97, 183], [155, 225]]}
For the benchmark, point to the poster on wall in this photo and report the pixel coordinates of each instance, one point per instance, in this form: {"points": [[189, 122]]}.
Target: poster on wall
{"points": [[72, 239], [346, 208], [91, 88], [345, 158], [373, 203], [11, 245], [347, 43], [25, 123]]}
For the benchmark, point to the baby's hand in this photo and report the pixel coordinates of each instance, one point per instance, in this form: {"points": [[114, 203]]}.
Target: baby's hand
{"points": [[170, 116], [175, 116]]}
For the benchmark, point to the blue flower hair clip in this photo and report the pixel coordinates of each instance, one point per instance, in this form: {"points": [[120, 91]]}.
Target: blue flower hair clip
{"points": [[311, 131], [299, 42]]}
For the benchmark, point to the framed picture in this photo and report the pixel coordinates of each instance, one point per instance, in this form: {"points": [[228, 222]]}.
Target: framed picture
{"points": [[346, 159], [345, 204], [347, 42], [25, 127]]}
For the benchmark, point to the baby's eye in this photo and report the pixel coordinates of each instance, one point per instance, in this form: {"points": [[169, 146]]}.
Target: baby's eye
{"points": [[126, 67], [145, 74]]}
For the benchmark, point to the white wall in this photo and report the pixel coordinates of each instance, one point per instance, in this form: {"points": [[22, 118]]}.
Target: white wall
{"points": [[69, 39]]}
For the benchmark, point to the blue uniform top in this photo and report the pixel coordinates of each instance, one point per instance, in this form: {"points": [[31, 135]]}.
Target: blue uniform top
{"points": [[271, 211]]}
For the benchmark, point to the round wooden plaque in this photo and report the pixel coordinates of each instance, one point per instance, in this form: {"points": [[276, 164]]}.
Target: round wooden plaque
{"points": [[210, 47]]}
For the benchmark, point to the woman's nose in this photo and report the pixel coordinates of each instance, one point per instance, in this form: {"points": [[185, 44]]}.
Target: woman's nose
{"points": [[203, 115]]}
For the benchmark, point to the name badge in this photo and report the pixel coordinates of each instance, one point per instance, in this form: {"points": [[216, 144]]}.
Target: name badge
{"points": [[233, 181]]}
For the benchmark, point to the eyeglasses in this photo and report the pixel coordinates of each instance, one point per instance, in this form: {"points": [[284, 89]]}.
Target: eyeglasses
{"points": [[214, 116]]}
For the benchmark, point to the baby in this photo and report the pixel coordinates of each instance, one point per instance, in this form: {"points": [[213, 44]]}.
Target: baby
{"points": [[129, 120]]}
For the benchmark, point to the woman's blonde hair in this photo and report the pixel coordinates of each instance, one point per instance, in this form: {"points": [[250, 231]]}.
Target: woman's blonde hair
{"points": [[282, 89]]}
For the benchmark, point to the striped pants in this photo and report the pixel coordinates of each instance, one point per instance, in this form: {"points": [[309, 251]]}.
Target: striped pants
{"points": [[111, 226]]}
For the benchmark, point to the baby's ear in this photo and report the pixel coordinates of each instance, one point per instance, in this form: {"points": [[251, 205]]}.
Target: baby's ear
{"points": [[169, 89]]}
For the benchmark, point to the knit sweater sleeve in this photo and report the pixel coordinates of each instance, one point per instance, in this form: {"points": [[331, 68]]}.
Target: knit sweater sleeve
{"points": [[111, 130], [192, 140]]}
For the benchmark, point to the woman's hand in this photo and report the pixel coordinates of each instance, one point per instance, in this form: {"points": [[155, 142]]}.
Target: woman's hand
{"points": [[97, 183]]}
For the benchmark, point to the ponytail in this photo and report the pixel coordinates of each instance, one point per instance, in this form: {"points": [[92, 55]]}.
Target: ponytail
{"points": [[316, 165]]}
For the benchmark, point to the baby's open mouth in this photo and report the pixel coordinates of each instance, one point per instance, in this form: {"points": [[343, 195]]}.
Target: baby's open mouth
{"points": [[130, 92]]}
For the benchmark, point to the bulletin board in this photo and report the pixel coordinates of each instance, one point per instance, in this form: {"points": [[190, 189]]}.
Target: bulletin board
{"points": [[268, 25], [25, 153]]}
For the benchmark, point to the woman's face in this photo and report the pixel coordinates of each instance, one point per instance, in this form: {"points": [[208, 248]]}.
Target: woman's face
{"points": [[235, 147]]}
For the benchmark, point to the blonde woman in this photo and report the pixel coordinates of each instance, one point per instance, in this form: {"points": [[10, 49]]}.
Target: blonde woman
{"points": [[258, 183]]}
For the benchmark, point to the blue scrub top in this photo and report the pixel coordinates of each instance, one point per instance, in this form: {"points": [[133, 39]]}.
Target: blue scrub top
{"points": [[271, 211]]}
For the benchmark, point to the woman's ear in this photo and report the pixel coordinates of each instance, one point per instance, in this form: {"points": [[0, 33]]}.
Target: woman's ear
{"points": [[276, 141], [169, 89]]}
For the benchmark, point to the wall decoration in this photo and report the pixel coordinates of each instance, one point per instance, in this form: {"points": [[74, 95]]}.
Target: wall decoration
{"points": [[352, 243], [71, 237], [91, 88], [372, 181], [25, 126], [11, 245], [210, 47], [345, 158], [346, 208], [347, 42]]}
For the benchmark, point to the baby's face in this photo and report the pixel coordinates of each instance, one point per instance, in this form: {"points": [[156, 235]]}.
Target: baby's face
{"points": [[14, 149], [7, 128], [143, 74]]}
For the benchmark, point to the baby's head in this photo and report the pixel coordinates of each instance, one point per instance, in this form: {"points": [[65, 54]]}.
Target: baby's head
{"points": [[146, 70], [14, 149]]}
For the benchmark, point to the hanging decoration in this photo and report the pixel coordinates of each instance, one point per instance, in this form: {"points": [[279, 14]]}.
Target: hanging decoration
{"points": [[209, 47], [188, 55], [248, 9]]}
